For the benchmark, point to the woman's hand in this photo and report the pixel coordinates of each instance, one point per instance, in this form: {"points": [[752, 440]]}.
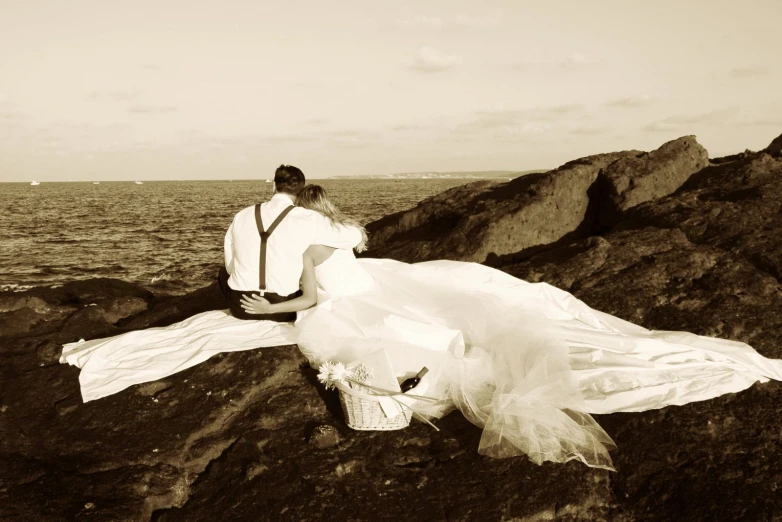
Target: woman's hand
{"points": [[256, 304]]}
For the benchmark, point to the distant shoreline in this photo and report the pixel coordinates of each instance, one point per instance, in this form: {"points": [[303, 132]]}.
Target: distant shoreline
{"points": [[489, 174], [478, 174]]}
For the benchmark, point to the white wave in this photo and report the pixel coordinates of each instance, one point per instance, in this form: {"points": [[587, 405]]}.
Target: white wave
{"points": [[12, 287]]}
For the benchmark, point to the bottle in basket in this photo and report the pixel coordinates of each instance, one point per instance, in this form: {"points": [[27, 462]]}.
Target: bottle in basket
{"points": [[412, 382]]}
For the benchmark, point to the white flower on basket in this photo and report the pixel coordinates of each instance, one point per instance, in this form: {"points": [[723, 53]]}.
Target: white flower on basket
{"points": [[333, 372], [363, 373]]}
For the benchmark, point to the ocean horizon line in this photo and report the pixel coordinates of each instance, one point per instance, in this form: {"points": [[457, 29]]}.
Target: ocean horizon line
{"points": [[396, 175]]}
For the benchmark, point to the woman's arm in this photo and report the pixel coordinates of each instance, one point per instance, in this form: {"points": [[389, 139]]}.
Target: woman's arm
{"points": [[309, 297]]}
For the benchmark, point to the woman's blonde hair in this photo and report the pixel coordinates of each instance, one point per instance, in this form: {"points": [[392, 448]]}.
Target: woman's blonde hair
{"points": [[314, 198]]}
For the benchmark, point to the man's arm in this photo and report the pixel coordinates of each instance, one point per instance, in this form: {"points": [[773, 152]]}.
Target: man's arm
{"points": [[324, 232], [256, 304], [228, 247]]}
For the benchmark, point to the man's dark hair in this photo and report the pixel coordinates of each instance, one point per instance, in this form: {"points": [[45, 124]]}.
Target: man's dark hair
{"points": [[288, 180]]}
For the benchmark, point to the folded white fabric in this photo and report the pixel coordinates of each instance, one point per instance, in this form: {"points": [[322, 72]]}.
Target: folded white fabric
{"points": [[112, 364]]}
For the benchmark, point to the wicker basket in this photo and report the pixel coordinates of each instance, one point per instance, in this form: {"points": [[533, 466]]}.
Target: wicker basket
{"points": [[363, 412]]}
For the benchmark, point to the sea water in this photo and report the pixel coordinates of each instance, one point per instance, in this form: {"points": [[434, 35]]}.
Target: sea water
{"points": [[165, 235]]}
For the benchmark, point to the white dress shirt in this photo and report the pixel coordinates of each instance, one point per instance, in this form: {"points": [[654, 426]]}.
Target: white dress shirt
{"points": [[285, 247]]}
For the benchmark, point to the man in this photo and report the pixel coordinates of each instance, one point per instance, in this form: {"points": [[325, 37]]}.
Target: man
{"points": [[289, 232]]}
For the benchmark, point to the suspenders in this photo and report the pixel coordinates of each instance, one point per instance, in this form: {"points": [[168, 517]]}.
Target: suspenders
{"points": [[264, 238]]}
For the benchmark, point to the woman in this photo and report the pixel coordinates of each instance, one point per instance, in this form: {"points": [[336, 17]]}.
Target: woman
{"points": [[314, 197], [527, 362]]}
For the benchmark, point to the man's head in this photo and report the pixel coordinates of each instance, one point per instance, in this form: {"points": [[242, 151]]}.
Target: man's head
{"points": [[288, 180]]}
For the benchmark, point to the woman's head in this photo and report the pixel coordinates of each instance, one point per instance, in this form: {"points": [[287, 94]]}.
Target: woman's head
{"points": [[314, 198]]}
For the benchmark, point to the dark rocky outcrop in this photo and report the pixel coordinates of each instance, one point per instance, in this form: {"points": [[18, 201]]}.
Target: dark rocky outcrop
{"points": [[775, 147], [630, 181], [497, 222], [252, 436], [736, 207], [488, 219]]}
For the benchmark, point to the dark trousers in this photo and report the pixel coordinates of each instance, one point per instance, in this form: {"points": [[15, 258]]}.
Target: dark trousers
{"points": [[234, 301]]}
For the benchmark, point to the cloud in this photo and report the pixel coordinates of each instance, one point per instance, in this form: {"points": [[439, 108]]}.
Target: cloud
{"points": [[353, 138], [515, 125], [316, 121], [571, 62], [679, 123], [293, 137], [632, 102], [118, 95], [749, 72], [197, 138], [589, 130], [433, 22], [502, 118], [562, 109], [490, 20], [340, 138], [346, 138], [520, 131], [496, 119], [575, 61], [408, 127], [309, 84], [8, 110], [763, 122], [352, 142], [430, 59], [152, 109]]}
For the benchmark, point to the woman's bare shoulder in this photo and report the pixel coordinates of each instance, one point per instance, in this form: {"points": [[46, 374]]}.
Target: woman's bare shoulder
{"points": [[319, 253]]}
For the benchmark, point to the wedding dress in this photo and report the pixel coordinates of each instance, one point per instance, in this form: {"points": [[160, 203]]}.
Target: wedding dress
{"points": [[527, 362]]}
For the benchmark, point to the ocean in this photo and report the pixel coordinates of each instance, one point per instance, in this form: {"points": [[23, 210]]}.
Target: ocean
{"points": [[164, 235]]}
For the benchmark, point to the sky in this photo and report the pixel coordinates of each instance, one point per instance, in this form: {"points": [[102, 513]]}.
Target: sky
{"points": [[230, 89]]}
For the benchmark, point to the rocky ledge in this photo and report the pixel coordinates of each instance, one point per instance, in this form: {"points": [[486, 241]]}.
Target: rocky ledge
{"points": [[668, 239]]}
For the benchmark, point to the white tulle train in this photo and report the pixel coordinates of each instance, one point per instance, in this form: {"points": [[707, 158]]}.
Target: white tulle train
{"points": [[526, 362]]}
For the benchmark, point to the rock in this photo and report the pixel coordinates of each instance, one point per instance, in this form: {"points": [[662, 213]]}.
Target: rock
{"points": [[10, 302], [165, 310], [501, 222], [732, 206], [489, 220], [38, 311], [324, 436], [26, 321], [121, 308], [23, 315], [99, 319], [93, 290], [676, 285], [660, 279], [775, 147], [630, 181], [87, 322]]}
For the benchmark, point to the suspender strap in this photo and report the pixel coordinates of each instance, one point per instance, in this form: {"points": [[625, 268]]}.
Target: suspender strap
{"points": [[264, 238]]}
